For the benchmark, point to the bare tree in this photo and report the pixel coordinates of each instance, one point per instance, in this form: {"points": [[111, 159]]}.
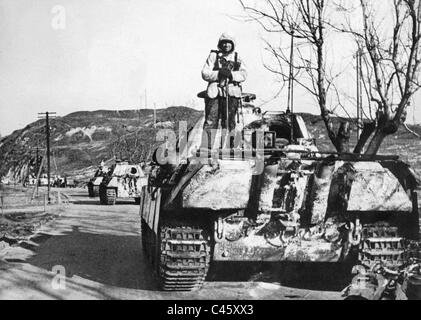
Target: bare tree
{"points": [[391, 46], [387, 33], [305, 21]]}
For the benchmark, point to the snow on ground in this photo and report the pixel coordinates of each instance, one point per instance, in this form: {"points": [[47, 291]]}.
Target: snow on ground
{"points": [[87, 131]]}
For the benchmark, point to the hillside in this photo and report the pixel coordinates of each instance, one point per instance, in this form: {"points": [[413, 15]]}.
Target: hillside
{"points": [[81, 140]]}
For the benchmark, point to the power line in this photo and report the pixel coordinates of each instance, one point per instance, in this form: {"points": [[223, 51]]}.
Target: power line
{"points": [[146, 99], [47, 133], [290, 107], [154, 115], [359, 95]]}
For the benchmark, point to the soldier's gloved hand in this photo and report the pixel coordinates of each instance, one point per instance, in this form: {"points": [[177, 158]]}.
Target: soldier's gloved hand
{"points": [[224, 73]]}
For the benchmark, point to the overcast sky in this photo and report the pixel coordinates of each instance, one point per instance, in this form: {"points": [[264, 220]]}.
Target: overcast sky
{"points": [[109, 51]]}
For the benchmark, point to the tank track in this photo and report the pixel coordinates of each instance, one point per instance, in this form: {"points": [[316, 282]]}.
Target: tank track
{"points": [[182, 261], [184, 258], [91, 190], [382, 243], [107, 196], [110, 196]]}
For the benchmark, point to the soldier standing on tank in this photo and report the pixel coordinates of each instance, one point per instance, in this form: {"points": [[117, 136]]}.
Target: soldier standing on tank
{"points": [[223, 70]]}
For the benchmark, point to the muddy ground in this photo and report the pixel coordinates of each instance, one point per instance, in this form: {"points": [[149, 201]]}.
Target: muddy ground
{"points": [[96, 250]]}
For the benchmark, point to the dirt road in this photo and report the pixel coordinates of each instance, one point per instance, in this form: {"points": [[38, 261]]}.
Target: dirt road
{"points": [[93, 252]]}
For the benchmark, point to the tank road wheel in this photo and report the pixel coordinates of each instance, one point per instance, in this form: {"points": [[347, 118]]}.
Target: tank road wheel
{"points": [[90, 190], [110, 196], [183, 257]]}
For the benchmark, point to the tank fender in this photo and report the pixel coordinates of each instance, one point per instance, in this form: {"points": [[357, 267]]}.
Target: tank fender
{"points": [[113, 183], [150, 205], [98, 181], [376, 188]]}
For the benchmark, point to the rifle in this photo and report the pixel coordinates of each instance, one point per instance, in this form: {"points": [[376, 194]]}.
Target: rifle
{"points": [[232, 66]]}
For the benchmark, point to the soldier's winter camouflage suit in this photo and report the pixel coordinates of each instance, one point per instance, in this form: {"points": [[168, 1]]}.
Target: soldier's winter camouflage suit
{"points": [[215, 101]]}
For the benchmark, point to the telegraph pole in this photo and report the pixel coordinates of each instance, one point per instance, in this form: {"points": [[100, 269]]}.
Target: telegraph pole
{"points": [[37, 169], [47, 133], [146, 99], [154, 115], [359, 93], [47, 128], [38, 166], [37, 161], [290, 107]]}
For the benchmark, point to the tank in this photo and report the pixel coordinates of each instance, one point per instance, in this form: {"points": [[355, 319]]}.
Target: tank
{"points": [[95, 181], [273, 198], [124, 181]]}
